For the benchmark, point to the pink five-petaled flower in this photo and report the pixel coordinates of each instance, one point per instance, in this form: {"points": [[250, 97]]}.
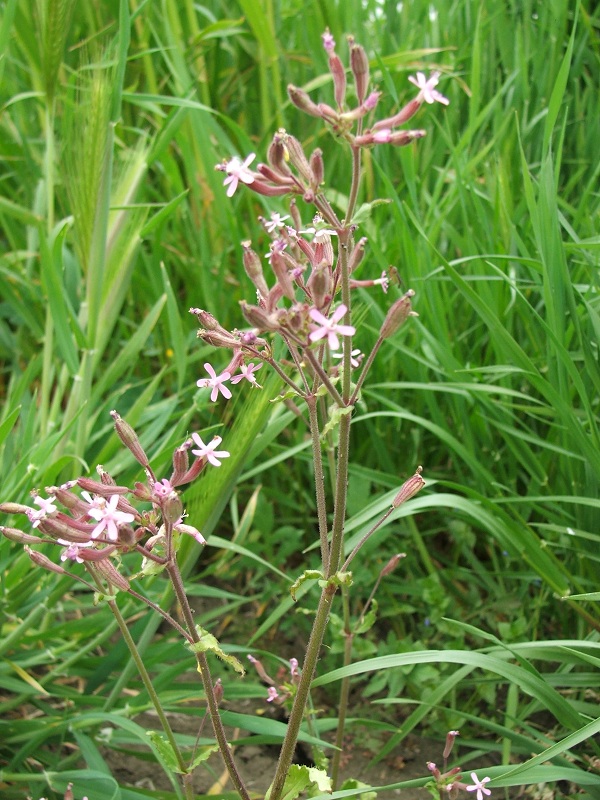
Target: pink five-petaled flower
{"points": [[246, 371], [276, 221], [46, 508], [237, 170], [109, 519], [71, 550], [330, 327], [209, 451], [215, 382], [479, 786], [428, 92], [272, 694], [354, 357]]}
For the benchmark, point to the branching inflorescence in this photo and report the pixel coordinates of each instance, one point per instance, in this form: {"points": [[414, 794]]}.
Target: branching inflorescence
{"points": [[305, 299]]}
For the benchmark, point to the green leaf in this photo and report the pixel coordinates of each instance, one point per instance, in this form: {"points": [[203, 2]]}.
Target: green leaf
{"points": [[307, 575], [208, 643], [166, 751], [301, 777]]}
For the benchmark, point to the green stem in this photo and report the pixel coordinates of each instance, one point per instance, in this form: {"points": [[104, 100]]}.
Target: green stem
{"points": [[319, 477], [146, 680], [344, 692], [209, 690]]}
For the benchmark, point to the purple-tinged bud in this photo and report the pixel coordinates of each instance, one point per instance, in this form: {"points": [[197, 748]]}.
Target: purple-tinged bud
{"points": [[392, 564], [320, 285], [359, 64], [72, 531], [363, 109], [258, 318], [295, 214], [69, 792], [397, 315], [218, 690], [302, 101], [260, 187], [207, 320], [111, 574], [434, 770], [191, 531], [217, 339], [317, 167], [260, 670], [172, 508], [14, 508], [409, 488], [94, 555], [450, 737], [130, 439], [405, 113], [142, 492], [338, 74], [328, 41], [43, 561], [253, 267], [191, 474], [357, 254], [279, 267], [18, 536], [181, 464], [275, 177], [277, 154], [106, 479], [329, 114], [402, 138], [102, 489]]}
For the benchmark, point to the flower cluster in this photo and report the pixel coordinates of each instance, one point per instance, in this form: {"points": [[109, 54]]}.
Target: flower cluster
{"points": [[97, 522], [283, 688], [449, 782]]}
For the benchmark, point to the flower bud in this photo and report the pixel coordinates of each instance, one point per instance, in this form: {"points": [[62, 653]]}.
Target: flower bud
{"points": [[172, 508], [316, 165], [279, 267], [357, 254], [206, 319], [392, 564], [14, 508], [277, 154], [66, 528], [298, 159], [409, 488], [218, 690], [302, 101], [320, 285], [405, 113], [191, 531], [397, 315], [216, 339], [329, 114], [181, 464], [450, 737], [130, 439], [339, 78], [18, 536], [286, 180], [40, 560], [359, 64], [106, 479], [102, 489], [111, 574], [258, 318], [254, 271], [295, 214]]}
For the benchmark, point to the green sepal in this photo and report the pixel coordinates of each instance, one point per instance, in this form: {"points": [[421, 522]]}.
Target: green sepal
{"points": [[339, 579], [307, 575], [209, 643]]}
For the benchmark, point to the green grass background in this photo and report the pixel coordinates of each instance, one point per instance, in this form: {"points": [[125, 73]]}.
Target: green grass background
{"points": [[113, 223]]}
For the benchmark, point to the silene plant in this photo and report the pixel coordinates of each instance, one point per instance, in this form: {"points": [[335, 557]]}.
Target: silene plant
{"points": [[304, 299]]}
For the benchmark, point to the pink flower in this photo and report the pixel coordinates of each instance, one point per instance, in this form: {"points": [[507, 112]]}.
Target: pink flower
{"points": [[329, 327], [272, 694], [276, 221], [72, 550], [426, 86], [215, 382], [209, 451], [109, 519], [162, 488], [355, 357], [328, 41], [190, 530], [278, 246], [246, 371], [238, 171], [46, 508], [479, 786]]}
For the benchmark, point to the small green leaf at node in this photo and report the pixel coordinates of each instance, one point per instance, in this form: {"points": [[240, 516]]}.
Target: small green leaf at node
{"points": [[209, 643], [307, 575]]}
